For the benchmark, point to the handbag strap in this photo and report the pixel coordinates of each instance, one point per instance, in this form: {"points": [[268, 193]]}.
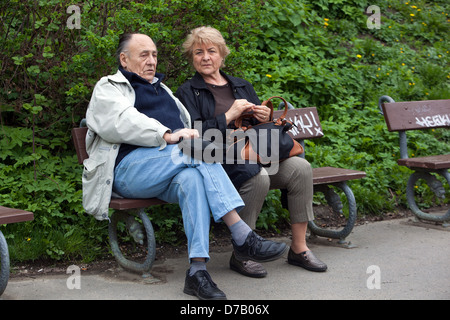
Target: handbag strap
{"points": [[267, 103]]}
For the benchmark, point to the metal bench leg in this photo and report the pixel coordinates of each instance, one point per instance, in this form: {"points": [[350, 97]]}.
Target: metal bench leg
{"points": [[4, 263], [139, 236], [343, 233], [434, 185]]}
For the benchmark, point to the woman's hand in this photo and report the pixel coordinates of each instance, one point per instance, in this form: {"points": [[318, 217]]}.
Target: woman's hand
{"points": [[182, 133], [261, 113], [239, 107]]}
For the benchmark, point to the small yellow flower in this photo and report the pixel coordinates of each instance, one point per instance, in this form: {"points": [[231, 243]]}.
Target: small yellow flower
{"points": [[359, 56], [326, 19], [326, 24], [28, 239], [412, 14], [414, 7], [268, 76]]}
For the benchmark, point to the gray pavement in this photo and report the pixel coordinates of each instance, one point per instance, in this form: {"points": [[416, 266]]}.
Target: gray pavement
{"points": [[396, 259]]}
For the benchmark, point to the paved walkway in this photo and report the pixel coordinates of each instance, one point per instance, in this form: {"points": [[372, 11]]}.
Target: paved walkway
{"points": [[396, 259]]}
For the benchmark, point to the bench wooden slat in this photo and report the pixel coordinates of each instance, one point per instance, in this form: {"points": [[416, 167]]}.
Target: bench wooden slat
{"points": [[412, 115], [127, 204], [79, 140], [429, 162], [325, 175], [10, 215]]}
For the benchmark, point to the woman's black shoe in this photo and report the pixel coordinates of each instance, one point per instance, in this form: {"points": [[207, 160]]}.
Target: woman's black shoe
{"points": [[201, 285], [258, 249]]}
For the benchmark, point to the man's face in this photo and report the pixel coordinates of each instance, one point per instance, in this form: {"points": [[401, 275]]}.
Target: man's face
{"points": [[140, 57]]}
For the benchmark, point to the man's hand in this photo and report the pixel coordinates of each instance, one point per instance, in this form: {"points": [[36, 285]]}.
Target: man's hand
{"points": [[182, 133]]}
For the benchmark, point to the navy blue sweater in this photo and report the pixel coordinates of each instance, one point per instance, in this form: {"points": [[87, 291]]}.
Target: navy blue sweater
{"points": [[153, 101]]}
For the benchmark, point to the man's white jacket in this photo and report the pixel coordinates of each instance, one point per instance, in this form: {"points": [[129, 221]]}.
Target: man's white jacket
{"points": [[112, 119]]}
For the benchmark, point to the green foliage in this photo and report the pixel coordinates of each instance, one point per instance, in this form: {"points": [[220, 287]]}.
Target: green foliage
{"points": [[317, 53], [321, 53]]}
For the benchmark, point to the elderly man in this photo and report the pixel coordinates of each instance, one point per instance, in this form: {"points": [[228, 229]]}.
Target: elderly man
{"points": [[134, 123]]}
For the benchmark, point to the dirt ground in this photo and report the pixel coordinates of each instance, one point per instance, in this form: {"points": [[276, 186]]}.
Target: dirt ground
{"points": [[220, 241]]}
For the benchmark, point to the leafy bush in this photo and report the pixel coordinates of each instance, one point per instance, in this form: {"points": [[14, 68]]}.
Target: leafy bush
{"points": [[317, 53]]}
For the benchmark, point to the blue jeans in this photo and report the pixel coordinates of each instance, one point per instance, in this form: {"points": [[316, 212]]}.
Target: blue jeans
{"points": [[199, 188]]}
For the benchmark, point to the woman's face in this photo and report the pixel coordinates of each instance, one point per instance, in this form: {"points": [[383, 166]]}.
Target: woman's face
{"points": [[207, 59]]}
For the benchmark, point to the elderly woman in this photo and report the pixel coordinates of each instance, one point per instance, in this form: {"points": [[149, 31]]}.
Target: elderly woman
{"points": [[217, 99]]}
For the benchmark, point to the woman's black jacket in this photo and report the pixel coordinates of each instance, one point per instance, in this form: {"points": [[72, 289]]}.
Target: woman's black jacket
{"points": [[200, 102]]}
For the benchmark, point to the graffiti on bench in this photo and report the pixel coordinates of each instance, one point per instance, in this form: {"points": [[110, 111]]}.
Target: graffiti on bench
{"points": [[438, 120], [306, 123]]}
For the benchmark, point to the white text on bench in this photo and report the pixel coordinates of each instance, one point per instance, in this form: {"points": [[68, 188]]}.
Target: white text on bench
{"points": [[434, 121]]}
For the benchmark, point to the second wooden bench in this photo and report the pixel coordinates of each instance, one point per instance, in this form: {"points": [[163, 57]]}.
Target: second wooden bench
{"points": [[420, 115]]}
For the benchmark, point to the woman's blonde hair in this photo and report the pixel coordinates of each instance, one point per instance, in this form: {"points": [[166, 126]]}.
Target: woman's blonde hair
{"points": [[205, 35]]}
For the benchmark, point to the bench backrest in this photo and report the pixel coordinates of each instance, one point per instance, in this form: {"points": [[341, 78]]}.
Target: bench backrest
{"points": [[412, 115], [306, 120], [79, 140]]}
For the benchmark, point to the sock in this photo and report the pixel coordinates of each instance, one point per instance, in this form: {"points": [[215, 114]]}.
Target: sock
{"points": [[196, 266], [239, 232]]}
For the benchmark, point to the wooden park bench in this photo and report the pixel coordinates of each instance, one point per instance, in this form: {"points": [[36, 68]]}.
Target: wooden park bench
{"points": [[125, 210], [7, 216], [420, 115], [325, 178]]}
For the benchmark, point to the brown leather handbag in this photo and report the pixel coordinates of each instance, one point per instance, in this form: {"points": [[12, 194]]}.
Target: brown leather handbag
{"points": [[266, 142]]}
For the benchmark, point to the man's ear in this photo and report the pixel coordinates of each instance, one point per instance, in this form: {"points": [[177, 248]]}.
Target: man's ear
{"points": [[123, 59]]}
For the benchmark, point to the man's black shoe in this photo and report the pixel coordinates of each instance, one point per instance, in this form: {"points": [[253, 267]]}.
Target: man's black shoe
{"points": [[201, 285], [258, 249]]}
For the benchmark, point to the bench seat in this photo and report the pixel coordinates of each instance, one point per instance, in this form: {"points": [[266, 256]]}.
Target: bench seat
{"points": [[10, 215], [429, 162], [329, 175], [129, 204]]}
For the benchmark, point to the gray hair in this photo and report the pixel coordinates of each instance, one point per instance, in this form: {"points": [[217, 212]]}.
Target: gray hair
{"points": [[124, 40], [204, 35]]}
